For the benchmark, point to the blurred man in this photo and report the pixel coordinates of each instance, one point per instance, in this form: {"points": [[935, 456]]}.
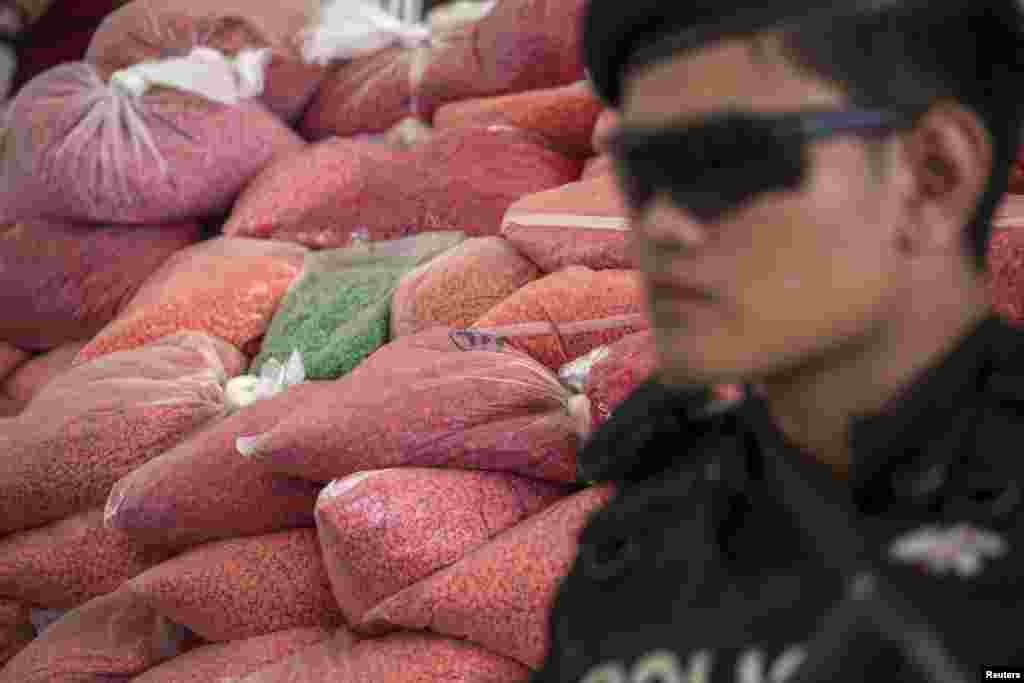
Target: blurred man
{"points": [[811, 186]]}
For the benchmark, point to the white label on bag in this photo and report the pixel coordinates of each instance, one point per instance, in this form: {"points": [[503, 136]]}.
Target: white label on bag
{"points": [[569, 220]]}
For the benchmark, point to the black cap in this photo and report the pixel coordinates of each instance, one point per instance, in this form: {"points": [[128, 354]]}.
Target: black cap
{"points": [[618, 34]]}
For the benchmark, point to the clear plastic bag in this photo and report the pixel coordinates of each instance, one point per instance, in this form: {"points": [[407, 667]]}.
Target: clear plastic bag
{"points": [[93, 424], [515, 46], [67, 563], [379, 538], [56, 281], [35, 373], [398, 657], [1006, 273], [579, 224], [145, 30], [459, 286], [245, 587], [226, 287], [338, 312], [224, 661], [423, 401], [202, 491], [500, 595], [83, 146], [611, 373], [453, 15], [557, 303], [113, 637], [564, 116], [462, 179]]}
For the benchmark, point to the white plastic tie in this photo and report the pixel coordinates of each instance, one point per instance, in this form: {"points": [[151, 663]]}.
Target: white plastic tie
{"points": [[574, 373], [352, 28], [205, 72], [251, 67], [249, 445], [273, 379]]}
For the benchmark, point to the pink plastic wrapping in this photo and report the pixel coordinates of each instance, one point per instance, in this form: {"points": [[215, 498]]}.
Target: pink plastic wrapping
{"points": [[365, 95], [111, 638], [564, 116], [572, 295], [459, 286], [146, 30], [203, 491], [219, 661], [93, 424], [67, 563], [520, 45], [226, 287], [79, 150], [230, 590], [61, 283], [31, 376], [1006, 273], [398, 658], [461, 180], [500, 595], [384, 530], [615, 371], [422, 401], [580, 224]]}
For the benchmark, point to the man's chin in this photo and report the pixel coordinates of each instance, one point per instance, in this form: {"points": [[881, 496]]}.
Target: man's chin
{"points": [[683, 360]]}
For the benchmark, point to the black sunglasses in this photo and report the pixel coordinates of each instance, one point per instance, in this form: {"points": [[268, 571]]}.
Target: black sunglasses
{"points": [[713, 165]]}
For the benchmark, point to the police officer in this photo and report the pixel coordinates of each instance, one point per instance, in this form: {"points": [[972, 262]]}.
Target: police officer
{"points": [[811, 187]]}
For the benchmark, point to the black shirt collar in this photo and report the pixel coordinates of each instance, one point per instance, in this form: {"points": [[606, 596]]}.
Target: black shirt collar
{"points": [[909, 447]]}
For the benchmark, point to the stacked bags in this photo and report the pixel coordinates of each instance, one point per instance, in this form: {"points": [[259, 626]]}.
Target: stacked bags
{"points": [[56, 283], [226, 287], [145, 30], [519, 45], [80, 432], [89, 144], [462, 179], [582, 223], [11, 359], [565, 116], [337, 313], [1006, 259], [390, 491]]}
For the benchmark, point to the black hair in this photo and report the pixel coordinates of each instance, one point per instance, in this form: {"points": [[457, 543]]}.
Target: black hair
{"points": [[916, 54], [889, 54]]}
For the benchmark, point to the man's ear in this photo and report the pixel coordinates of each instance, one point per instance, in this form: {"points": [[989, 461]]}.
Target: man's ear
{"points": [[949, 154]]}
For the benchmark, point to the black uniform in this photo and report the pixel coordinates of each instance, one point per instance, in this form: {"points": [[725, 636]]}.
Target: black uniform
{"points": [[729, 555]]}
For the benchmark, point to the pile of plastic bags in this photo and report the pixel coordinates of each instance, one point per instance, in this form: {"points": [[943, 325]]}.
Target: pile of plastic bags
{"points": [[310, 310]]}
